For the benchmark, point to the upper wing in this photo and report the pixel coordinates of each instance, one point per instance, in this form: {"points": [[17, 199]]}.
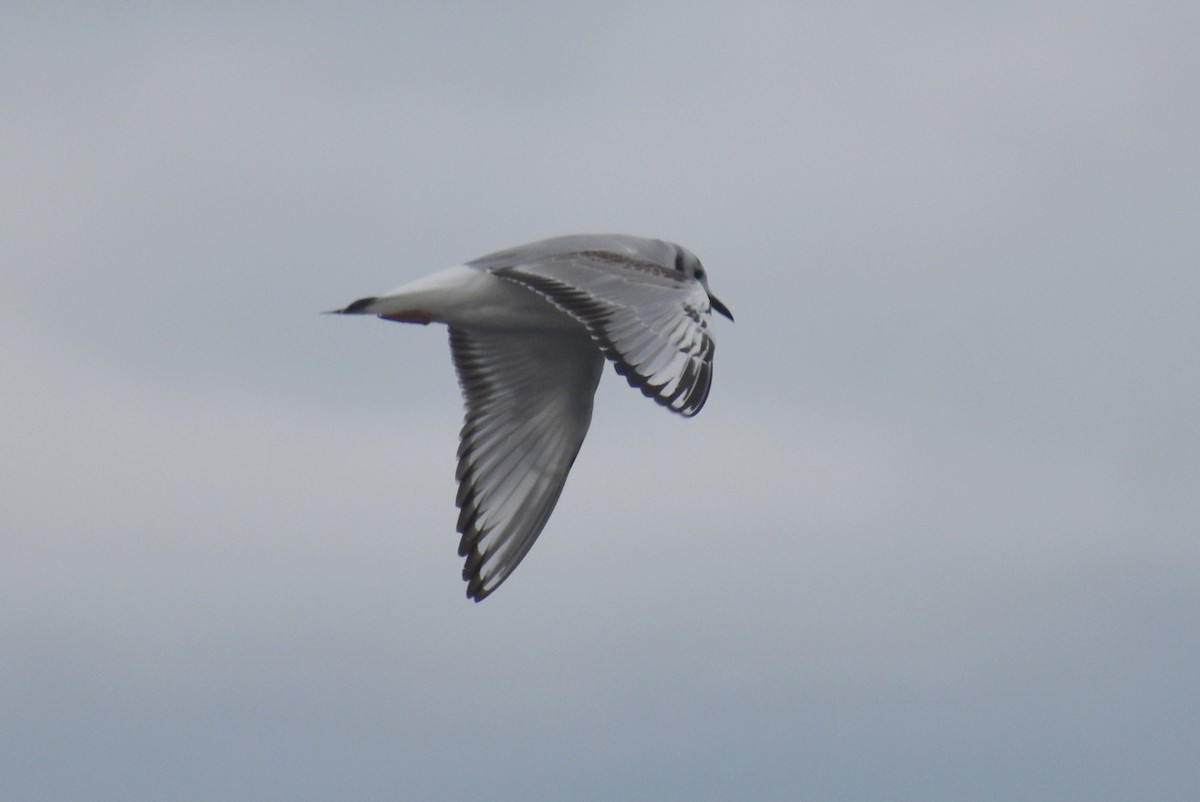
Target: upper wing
{"points": [[529, 403], [648, 319]]}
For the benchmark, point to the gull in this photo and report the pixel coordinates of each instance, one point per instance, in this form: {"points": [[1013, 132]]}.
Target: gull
{"points": [[530, 330]]}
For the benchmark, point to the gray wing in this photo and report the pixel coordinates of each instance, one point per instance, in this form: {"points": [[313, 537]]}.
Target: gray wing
{"points": [[529, 402], [647, 318]]}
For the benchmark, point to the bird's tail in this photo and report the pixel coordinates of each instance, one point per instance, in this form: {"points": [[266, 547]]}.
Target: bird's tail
{"points": [[363, 306]]}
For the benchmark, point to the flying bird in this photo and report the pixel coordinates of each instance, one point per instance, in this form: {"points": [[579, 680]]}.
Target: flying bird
{"points": [[530, 329]]}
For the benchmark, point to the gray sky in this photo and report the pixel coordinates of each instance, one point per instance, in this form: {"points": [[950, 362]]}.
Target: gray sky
{"points": [[933, 537]]}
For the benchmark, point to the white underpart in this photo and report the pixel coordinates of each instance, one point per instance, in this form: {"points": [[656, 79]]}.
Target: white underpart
{"points": [[470, 298]]}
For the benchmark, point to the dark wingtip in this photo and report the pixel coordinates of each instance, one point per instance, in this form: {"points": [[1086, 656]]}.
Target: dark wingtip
{"points": [[475, 591]]}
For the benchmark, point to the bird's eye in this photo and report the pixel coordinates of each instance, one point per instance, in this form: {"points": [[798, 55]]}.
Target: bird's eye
{"points": [[699, 272]]}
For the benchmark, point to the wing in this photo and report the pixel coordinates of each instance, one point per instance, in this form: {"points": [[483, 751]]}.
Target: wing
{"points": [[648, 319], [529, 403]]}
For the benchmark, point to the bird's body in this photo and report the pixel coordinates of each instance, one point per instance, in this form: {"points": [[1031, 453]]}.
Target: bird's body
{"points": [[530, 328]]}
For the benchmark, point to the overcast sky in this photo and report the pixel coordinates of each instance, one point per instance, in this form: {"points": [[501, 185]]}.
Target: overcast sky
{"points": [[935, 535]]}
